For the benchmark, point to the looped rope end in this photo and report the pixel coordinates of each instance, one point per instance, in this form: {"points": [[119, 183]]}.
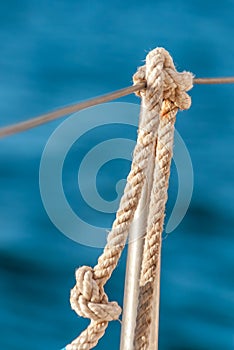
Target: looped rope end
{"points": [[90, 301], [163, 81]]}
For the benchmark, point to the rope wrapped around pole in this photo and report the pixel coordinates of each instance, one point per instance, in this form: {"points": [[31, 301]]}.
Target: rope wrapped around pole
{"points": [[166, 88], [164, 95]]}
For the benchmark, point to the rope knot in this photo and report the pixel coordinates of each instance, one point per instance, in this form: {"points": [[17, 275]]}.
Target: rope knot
{"points": [[163, 81], [89, 300]]}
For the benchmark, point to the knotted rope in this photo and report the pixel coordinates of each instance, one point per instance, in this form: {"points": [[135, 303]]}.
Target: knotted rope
{"points": [[159, 67], [164, 94]]}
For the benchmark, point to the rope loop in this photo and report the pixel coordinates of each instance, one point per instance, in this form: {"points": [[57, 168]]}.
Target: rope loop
{"points": [[162, 80]]}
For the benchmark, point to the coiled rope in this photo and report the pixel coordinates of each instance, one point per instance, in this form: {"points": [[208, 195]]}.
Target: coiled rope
{"points": [[164, 95]]}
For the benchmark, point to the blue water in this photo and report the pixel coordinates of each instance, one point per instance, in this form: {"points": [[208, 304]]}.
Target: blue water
{"points": [[55, 53]]}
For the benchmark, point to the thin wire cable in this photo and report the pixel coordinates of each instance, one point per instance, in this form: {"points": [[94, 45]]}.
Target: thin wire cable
{"points": [[61, 112], [228, 80]]}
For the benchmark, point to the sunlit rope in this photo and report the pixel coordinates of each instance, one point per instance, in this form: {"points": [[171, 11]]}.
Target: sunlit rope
{"points": [[164, 94], [161, 75], [61, 112]]}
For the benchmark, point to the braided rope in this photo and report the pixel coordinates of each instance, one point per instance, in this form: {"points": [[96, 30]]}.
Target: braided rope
{"points": [[88, 298]]}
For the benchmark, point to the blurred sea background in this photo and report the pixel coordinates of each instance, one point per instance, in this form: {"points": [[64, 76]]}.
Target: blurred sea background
{"points": [[58, 52]]}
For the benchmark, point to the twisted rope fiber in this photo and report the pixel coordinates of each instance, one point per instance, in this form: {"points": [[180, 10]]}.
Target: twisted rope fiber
{"points": [[174, 97], [88, 298]]}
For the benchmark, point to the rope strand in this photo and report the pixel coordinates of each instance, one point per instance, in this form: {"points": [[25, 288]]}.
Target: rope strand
{"points": [[170, 96], [152, 247], [88, 298], [94, 303]]}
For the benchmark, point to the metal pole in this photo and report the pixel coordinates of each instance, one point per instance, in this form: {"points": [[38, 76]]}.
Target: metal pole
{"points": [[133, 271], [132, 277]]}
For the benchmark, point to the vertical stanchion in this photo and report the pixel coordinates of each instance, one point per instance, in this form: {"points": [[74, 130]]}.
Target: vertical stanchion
{"points": [[132, 277], [133, 271]]}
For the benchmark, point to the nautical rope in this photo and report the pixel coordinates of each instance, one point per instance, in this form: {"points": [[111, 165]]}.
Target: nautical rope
{"points": [[88, 297], [174, 86]]}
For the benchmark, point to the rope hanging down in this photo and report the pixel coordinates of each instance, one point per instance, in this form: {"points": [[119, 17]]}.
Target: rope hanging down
{"points": [[167, 91], [164, 95]]}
